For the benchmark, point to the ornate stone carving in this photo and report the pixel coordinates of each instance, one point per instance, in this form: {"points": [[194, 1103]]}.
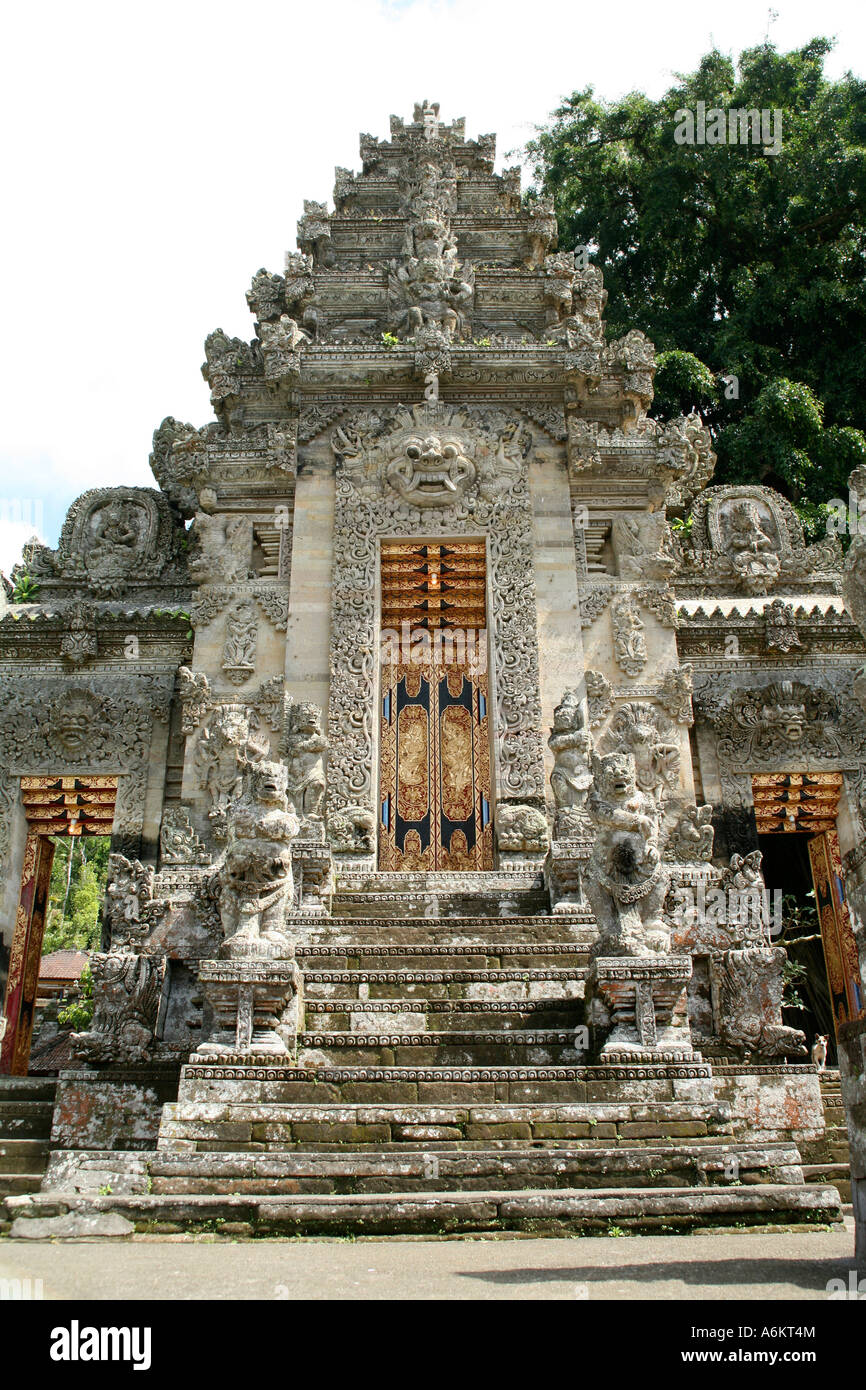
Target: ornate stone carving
{"points": [[662, 603], [255, 1007], [178, 842], [228, 360], [241, 640], [629, 642], [780, 627], [674, 458], [195, 698], [648, 735], [626, 881], [541, 231], [222, 545], [635, 356], [300, 291], [85, 730], [643, 547], [256, 871], [521, 829], [432, 454], [642, 1005], [111, 538], [571, 745], [499, 507], [281, 349], [179, 461], [305, 749], [675, 694], [79, 643], [599, 697], [267, 295], [751, 538], [352, 830], [130, 910], [750, 998], [430, 473], [224, 749], [127, 990], [594, 601], [270, 703], [691, 840], [430, 287], [777, 720], [314, 234]]}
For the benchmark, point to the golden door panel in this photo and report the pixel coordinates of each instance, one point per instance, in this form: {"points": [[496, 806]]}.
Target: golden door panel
{"points": [[434, 802], [840, 947]]}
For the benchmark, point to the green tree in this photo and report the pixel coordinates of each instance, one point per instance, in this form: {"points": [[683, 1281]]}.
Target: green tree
{"points": [[735, 262], [78, 1013], [78, 878]]}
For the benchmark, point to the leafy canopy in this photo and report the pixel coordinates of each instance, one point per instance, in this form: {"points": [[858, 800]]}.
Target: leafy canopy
{"points": [[735, 262]]}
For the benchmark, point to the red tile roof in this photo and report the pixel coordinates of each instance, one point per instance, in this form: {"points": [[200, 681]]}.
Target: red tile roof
{"points": [[63, 965]]}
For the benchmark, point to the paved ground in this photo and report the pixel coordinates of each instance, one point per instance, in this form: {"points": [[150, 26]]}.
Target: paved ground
{"points": [[728, 1266]]}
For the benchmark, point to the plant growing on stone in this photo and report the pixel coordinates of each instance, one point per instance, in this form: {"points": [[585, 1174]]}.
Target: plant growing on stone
{"points": [[25, 588]]}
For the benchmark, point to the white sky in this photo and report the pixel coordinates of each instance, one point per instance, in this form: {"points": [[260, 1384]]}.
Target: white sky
{"points": [[156, 155]]}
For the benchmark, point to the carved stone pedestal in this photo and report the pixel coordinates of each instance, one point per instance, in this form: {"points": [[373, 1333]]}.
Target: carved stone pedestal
{"points": [[565, 867], [313, 871], [643, 1002], [255, 1006]]}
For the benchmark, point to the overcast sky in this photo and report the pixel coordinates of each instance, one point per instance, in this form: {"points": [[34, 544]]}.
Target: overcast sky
{"points": [[156, 155]]}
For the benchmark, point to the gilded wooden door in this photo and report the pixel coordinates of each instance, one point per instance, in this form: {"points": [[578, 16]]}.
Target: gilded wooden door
{"points": [[837, 937], [434, 781]]}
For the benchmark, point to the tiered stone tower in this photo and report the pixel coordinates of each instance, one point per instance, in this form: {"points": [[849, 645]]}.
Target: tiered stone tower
{"points": [[395, 743]]}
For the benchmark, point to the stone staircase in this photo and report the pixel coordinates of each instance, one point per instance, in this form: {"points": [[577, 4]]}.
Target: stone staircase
{"points": [[442, 1083], [460, 991], [26, 1106], [828, 1159]]}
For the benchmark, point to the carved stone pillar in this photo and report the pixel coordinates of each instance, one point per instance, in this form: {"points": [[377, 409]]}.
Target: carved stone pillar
{"points": [[256, 1004], [642, 1001]]}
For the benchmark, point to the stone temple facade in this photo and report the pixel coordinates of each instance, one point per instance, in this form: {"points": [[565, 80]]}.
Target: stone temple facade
{"points": [[436, 702]]}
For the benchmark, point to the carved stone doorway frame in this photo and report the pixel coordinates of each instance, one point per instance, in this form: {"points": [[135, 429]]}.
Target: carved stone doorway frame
{"points": [[73, 806], [514, 689]]}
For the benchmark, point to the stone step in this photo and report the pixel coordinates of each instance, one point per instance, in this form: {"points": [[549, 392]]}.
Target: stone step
{"points": [[27, 1088], [231, 1126], [13, 1184], [262, 1079], [825, 1172], [529, 925], [436, 1015], [839, 1174], [25, 1119], [98, 1170], [836, 1134], [445, 1047], [387, 1213], [334, 954], [23, 1155], [530, 983], [438, 1169], [399, 906]]}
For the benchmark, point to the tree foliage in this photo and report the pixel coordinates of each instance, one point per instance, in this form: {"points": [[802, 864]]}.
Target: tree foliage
{"points": [[735, 262], [78, 878]]}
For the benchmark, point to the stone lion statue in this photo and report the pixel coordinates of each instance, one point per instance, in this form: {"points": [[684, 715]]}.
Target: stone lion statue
{"points": [[626, 881]]}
